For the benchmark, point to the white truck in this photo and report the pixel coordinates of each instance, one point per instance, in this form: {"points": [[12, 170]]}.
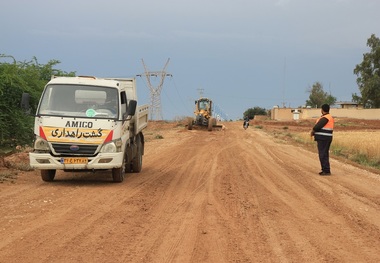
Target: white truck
{"points": [[87, 123]]}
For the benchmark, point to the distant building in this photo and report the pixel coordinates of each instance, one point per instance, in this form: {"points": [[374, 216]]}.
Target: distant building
{"points": [[349, 105], [347, 110]]}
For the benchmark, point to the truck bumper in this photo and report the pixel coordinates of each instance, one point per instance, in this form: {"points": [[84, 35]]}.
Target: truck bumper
{"points": [[45, 161]]}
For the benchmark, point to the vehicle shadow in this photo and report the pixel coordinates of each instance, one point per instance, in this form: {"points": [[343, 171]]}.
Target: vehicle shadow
{"points": [[86, 178]]}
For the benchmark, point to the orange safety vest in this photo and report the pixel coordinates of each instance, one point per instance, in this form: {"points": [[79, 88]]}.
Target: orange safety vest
{"points": [[327, 130]]}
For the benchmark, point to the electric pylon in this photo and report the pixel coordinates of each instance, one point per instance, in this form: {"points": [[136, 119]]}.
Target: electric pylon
{"points": [[155, 91]]}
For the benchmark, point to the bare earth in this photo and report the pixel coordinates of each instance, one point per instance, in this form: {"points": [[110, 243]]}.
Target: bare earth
{"points": [[230, 195]]}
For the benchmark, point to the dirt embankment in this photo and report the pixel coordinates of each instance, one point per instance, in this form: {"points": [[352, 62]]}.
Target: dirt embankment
{"points": [[231, 195]]}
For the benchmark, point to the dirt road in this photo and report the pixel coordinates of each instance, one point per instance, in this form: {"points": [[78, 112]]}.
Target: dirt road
{"points": [[232, 195]]}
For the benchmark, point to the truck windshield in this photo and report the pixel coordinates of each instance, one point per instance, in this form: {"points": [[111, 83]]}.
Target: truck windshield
{"points": [[79, 101]]}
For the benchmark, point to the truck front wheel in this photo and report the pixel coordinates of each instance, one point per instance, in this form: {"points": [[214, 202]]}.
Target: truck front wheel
{"points": [[118, 173], [47, 175]]}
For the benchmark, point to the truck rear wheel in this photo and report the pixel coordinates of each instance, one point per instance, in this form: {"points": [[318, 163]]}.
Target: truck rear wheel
{"points": [[213, 121], [47, 175], [210, 123], [190, 124], [136, 163], [118, 173]]}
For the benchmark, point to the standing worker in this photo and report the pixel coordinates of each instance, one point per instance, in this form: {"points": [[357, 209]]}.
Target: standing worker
{"points": [[323, 134], [246, 122]]}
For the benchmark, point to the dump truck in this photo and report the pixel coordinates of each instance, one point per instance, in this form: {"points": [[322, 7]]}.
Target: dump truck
{"points": [[87, 123], [203, 115]]}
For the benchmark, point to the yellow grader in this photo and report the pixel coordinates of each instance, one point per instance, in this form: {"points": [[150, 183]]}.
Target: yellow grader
{"points": [[203, 115]]}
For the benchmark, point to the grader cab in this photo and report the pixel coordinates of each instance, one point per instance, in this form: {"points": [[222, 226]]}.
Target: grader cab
{"points": [[203, 115]]}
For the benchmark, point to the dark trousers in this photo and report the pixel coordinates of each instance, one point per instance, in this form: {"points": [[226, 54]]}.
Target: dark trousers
{"points": [[323, 152]]}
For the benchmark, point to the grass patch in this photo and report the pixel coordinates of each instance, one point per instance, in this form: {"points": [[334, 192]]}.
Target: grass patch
{"points": [[303, 138], [358, 146], [337, 150], [7, 176], [21, 166], [361, 147], [159, 136]]}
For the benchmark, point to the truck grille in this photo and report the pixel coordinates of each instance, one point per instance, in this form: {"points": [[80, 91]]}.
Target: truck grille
{"points": [[81, 149]]}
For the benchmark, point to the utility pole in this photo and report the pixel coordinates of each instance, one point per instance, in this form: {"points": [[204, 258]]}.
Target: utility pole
{"points": [[200, 90], [283, 85], [155, 91]]}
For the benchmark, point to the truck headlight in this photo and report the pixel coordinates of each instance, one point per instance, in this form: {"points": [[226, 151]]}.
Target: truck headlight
{"points": [[41, 144], [112, 147]]}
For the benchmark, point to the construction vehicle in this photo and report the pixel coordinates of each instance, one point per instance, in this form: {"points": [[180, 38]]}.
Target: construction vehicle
{"points": [[203, 115], [87, 124]]}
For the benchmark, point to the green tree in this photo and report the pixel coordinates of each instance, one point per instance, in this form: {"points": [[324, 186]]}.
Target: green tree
{"points": [[16, 78], [318, 96], [251, 112], [368, 73], [356, 98]]}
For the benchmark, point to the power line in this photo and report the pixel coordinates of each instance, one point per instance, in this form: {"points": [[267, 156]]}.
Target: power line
{"points": [[185, 106]]}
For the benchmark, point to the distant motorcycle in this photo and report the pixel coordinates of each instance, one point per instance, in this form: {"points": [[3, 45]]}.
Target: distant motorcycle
{"points": [[246, 124]]}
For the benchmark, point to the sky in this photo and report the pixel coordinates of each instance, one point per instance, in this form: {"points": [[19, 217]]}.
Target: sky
{"points": [[239, 53]]}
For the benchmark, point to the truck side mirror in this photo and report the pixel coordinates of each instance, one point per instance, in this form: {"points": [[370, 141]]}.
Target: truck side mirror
{"points": [[25, 102], [131, 109]]}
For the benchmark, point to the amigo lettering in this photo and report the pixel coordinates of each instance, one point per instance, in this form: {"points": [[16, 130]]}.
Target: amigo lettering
{"points": [[79, 124]]}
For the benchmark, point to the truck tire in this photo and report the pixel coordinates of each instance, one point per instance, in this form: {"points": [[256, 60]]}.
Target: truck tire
{"points": [[190, 124], [136, 163], [48, 175], [119, 173], [210, 123]]}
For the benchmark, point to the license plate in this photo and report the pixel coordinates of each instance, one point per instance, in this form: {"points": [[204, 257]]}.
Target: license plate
{"points": [[74, 160]]}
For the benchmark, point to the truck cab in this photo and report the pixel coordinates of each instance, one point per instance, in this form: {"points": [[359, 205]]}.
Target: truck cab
{"points": [[89, 124]]}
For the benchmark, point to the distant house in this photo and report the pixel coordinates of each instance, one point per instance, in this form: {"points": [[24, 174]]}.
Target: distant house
{"points": [[349, 105], [340, 110]]}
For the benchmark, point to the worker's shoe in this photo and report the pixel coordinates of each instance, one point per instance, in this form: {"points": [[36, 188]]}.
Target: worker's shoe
{"points": [[324, 173]]}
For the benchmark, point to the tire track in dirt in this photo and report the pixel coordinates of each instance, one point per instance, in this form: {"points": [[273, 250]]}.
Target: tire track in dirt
{"points": [[189, 189], [320, 197], [223, 196]]}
